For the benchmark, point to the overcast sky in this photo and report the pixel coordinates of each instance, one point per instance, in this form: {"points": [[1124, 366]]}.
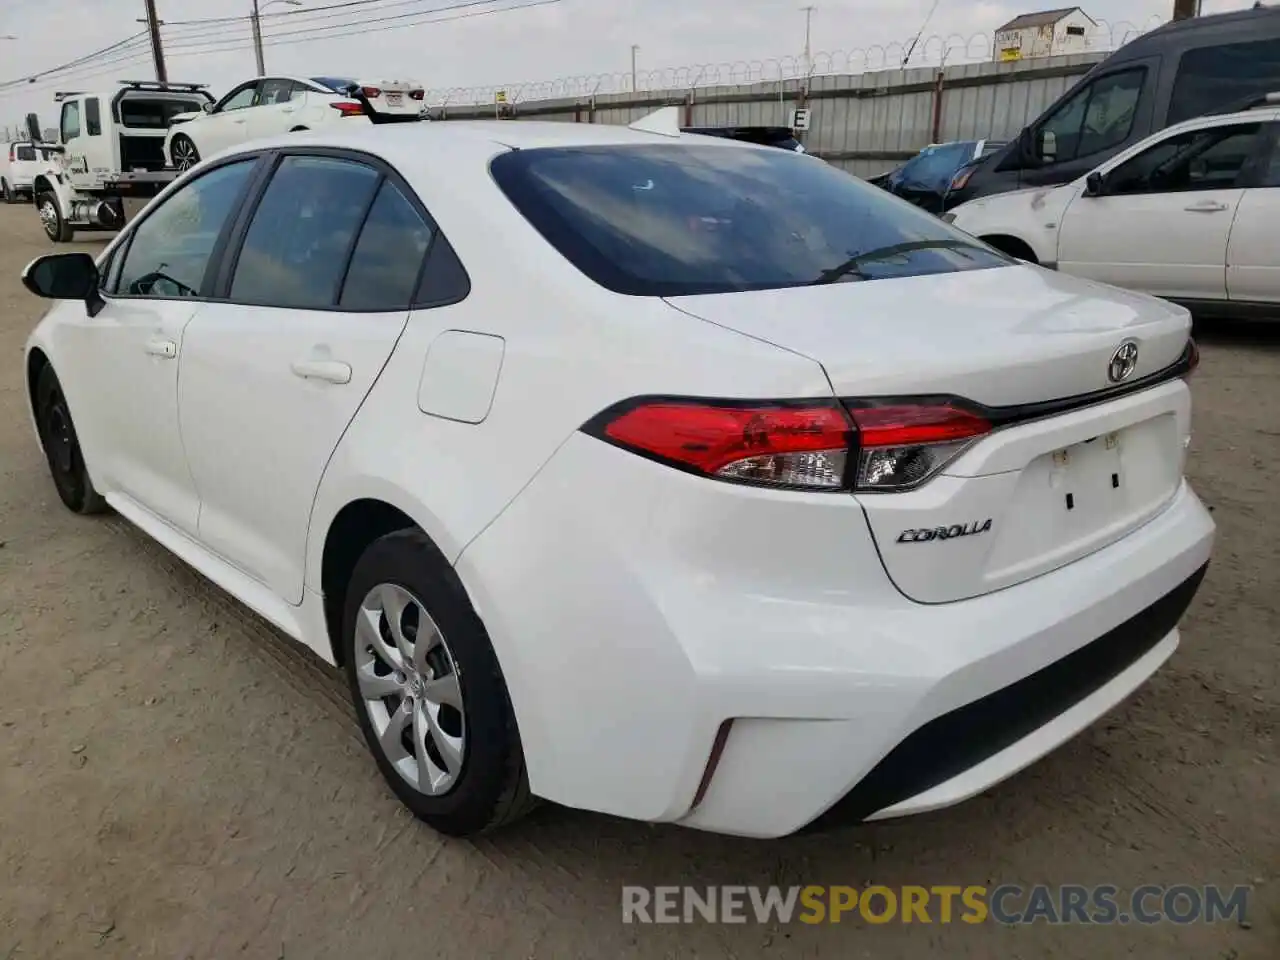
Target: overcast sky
{"points": [[569, 37]]}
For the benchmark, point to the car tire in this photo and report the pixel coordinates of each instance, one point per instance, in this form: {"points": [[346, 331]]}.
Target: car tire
{"points": [[183, 152], [55, 226], [446, 704], [62, 447]]}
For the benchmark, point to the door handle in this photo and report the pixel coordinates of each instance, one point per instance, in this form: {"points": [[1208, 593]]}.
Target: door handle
{"points": [[1209, 206], [331, 371], [160, 347]]}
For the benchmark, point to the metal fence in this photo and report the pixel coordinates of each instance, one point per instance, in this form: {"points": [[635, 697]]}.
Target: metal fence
{"points": [[864, 123], [936, 50]]}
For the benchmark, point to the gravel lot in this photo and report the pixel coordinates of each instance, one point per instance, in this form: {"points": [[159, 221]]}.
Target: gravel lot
{"points": [[177, 780]]}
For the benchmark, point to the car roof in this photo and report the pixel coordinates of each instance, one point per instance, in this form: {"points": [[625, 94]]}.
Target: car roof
{"points": [[404, 138]]}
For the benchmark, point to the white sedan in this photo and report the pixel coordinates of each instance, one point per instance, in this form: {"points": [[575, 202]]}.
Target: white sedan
{"points": [[659, 475], [268, 106], [1188, 214]]}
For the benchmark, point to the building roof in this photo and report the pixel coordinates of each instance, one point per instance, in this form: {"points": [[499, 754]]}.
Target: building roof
{"points": [[1042, 19]]}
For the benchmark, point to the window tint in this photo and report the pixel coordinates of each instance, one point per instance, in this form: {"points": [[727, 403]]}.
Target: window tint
{"points": [[296, 251], [1199, 160], [25, 153], [240, 99], [1098, 117], [93, 117], [170, 250], [1215, 77], [70, 121], [667, 220], [388, 259], [154, 114], [444, 280], [275, 92]]}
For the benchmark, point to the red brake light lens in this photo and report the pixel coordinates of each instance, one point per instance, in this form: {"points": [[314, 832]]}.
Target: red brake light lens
{"points": [[778, 445], [348, 108], [901, 446], [373, 93], [417, 94], [961, 179]]}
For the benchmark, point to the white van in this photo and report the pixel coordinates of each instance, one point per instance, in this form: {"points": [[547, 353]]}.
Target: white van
{"points": [[20, 163]]}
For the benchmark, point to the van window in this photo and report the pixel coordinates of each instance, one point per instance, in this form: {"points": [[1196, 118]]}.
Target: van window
{"points": [[1215, 77], [1097, 117]]}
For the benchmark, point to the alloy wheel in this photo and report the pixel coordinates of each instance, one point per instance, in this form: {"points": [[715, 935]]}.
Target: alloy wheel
{"points": [[184, 154], [410, 687], [49, 217]]}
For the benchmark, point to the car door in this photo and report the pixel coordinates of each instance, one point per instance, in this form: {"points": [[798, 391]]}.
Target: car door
{"points": [[314, 304], [228, 125], [273, 113], [1253, 257], [1163, 218], [125, 360]]}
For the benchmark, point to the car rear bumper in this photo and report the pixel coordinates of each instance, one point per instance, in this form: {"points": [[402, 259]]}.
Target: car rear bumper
{"points": [[647, 620]]}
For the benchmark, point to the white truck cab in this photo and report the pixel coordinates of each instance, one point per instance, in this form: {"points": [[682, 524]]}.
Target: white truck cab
{"points": [[110, 149]]}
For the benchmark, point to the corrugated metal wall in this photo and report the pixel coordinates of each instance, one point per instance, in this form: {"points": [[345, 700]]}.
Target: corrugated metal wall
{"points": [[865, 123]]}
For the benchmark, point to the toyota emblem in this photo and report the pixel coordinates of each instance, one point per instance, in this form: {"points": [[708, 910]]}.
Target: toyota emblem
{"points": [[1123, 362]]}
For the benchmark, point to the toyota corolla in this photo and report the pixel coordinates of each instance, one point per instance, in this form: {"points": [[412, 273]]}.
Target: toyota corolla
{"points": [[665, 476]]}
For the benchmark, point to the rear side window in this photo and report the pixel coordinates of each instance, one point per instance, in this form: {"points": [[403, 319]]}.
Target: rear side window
{"points": [[93, 117], [296, 251], [678, 219], [1212, 78], [388, 258], [25, 153], [147, 114]]}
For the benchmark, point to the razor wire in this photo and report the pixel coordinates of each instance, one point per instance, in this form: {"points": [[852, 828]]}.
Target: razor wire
{"points": [[935, 50]]}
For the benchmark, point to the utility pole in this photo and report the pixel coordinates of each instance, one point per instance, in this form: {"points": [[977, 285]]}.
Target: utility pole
{"points": [[1186, 9], [157, 51], [256, 17], [808, 38], [635, 48]]}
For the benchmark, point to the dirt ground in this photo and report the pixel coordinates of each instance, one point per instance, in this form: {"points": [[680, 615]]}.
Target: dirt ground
{"points": [[178, 780]]}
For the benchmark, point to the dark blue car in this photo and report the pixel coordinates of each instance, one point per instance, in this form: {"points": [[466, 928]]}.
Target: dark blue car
{"points": [[925, 178]]}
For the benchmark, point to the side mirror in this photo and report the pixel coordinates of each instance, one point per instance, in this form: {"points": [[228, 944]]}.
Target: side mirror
{"points": [[65, 276], [208, 107], [1094, 185]]}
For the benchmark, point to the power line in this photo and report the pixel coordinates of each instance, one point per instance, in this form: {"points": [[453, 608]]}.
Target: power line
{"points": [[106, 66], [88, 57], [346, 28], [347, 4]]}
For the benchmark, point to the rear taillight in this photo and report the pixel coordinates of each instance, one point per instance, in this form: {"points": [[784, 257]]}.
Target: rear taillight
{"points": [[794, 445], [961, 179], [348, 108], [902, 445], [373, 93], [417, 94], [13, 154]]}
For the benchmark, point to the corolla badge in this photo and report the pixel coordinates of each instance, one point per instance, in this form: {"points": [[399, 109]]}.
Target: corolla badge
{"points": [[929, 535], [1123, 362]]}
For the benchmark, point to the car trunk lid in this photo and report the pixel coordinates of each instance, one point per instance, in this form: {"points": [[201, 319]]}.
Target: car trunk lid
{"points": [[1075, 460]]}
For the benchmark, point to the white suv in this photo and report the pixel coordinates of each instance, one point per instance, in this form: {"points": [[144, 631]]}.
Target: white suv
{"points": [[20, 164], [268, 106], [1188, 214]]}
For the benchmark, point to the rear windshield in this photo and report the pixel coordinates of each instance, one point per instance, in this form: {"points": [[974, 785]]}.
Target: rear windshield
{"points": [[155, 114], [674, 220], [26, 153], [336, 84]]}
